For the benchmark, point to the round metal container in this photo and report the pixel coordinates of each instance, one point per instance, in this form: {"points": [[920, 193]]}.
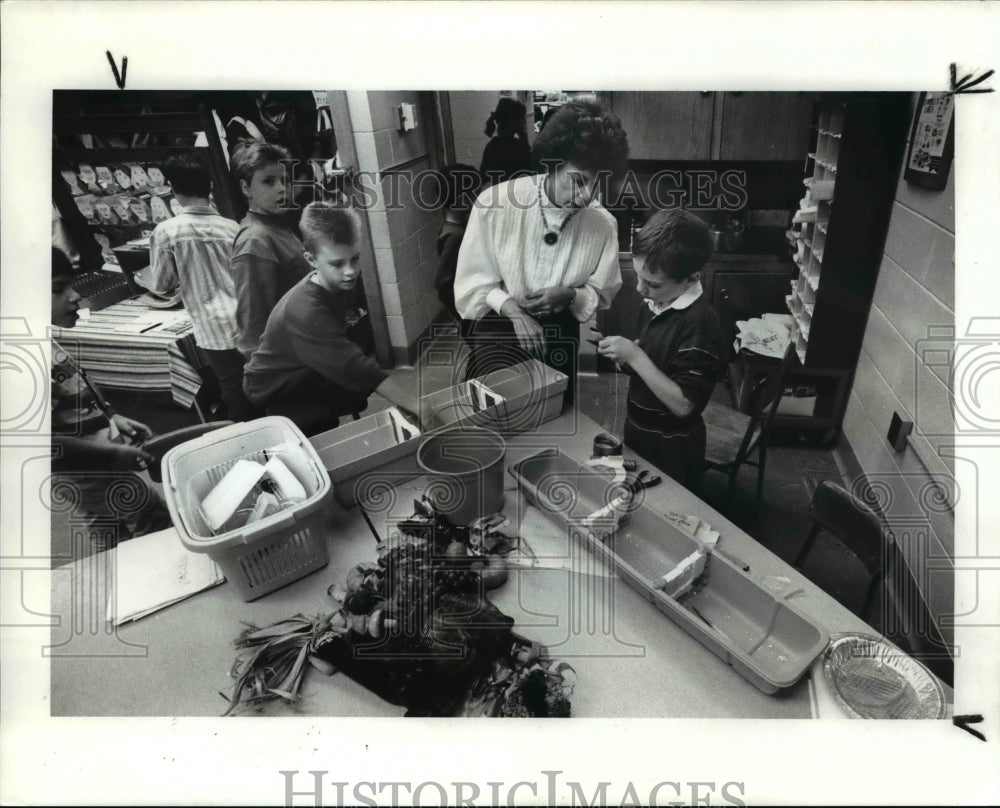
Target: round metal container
{"points": [[465, 470]]}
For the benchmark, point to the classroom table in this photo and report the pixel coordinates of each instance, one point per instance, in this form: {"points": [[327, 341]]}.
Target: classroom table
{"points": [[132, 346], [630, 660]]}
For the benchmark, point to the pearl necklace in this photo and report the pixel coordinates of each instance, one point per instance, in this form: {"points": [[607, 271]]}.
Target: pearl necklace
{"points": [[552, 236]]}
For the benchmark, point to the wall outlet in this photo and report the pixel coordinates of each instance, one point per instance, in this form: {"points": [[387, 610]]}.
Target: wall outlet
{"points": [[898, 432], [407, 117]]}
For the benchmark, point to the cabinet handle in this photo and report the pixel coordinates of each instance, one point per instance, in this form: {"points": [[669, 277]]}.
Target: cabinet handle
{"points": [[724, 294]]}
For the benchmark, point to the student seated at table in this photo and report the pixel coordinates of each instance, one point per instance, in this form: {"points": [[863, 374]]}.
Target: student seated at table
{"points": [[95, 451], [193, 250], [675, 362], [267, 255], [306, 367]]}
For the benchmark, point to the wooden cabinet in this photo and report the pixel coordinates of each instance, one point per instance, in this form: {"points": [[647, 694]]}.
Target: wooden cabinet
{"points": [[763, 126], [714, 126], [673, 126]]}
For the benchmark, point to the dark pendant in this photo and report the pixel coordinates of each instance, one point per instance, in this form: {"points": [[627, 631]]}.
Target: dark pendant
{"points": [[551, 238]]}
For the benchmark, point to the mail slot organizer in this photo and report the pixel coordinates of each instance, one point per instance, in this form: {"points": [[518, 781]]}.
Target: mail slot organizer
{"points": [[368, 457], [758, 634]]}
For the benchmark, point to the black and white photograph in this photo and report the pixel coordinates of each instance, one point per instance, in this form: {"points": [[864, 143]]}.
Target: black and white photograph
{"points": [[359, 416]]}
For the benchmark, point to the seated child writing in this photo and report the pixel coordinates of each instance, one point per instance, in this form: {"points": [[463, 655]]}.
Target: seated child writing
{"points": [[95, 451], [675, 362], [306, 368], [267, 257]]}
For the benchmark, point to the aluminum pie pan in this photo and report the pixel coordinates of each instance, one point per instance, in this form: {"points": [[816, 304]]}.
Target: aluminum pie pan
{"points": [[871, 678]]}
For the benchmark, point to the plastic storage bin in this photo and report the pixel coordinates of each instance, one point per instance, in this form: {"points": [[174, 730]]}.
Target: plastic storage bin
{"points": [[759, 635], [367, 457], [275, 551], [532, 394]]}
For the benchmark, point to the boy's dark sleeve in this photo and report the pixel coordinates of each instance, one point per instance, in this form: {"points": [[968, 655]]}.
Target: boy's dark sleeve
{"points": [[444, 280], [320, 343], [255, 276], [695, 366]]}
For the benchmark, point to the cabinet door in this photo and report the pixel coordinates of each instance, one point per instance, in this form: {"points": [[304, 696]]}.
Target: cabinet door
{"points": [[745, 294], [764, 126], [666, 126]]}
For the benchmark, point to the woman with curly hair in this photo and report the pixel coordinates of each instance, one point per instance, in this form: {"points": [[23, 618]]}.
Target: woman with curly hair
{"points": [[540, 253]]}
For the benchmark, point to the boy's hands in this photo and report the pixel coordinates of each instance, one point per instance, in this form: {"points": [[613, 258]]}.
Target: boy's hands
{"points": [[619, 349]]}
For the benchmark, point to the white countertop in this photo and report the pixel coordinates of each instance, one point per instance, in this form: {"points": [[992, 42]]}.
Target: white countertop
{"points": [[629, 658]]}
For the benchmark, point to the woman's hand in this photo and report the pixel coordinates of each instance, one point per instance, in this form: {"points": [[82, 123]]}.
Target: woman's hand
{"points": [[529, 332], [548, 300], [618, 349]]}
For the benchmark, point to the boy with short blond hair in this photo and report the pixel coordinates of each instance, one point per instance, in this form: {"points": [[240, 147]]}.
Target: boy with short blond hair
{"points": [[306, 367], [677, 358]]}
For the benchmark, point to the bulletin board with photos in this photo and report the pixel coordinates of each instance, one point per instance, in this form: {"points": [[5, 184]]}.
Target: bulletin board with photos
{"points": [[107, 176]]}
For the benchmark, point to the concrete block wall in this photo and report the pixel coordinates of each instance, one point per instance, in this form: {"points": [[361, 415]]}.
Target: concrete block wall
{"points": [[403, 232], [910, 327]]}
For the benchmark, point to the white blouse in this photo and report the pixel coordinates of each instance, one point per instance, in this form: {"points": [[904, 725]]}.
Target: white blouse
{"points": [[504, 253]]}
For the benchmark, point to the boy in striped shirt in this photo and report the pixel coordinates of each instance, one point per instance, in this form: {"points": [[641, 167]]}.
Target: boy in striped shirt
{"points": [[193, 250]]}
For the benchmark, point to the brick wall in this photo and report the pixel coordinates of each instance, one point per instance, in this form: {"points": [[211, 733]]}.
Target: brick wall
{"points": [[912, 318], [403, 232]]}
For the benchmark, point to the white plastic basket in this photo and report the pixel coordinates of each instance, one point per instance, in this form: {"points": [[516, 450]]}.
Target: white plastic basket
{"points": [[275, 551]]}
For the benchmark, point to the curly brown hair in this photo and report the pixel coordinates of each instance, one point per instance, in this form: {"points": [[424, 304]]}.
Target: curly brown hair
{"points": [[581, 133]]}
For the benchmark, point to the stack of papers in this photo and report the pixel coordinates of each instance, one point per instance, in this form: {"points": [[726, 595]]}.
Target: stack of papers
{"points": [[766, 337], [155, 571]]}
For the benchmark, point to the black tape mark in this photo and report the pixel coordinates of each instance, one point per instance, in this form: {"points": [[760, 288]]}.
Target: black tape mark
{"points": [[966, 83], [119, 77], [963, 721]]}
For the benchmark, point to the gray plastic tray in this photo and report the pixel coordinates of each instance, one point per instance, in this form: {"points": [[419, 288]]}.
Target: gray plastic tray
{"points": [[761, 636], [364, 459]]}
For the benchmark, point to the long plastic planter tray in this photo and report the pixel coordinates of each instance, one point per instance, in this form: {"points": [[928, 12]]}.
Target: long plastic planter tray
{"points": [[532, 394], [761, 636], [365, 457]]}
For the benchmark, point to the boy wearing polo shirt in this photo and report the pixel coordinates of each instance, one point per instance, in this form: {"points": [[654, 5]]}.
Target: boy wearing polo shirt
{"points": [[306, 367], [677, 359]]}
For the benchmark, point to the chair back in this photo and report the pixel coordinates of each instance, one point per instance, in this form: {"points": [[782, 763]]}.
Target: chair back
{"points": [[768, 394], [855, 524]]}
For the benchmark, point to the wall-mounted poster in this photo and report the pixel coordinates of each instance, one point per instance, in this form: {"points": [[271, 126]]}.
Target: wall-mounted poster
{"points": [[932, 141]]}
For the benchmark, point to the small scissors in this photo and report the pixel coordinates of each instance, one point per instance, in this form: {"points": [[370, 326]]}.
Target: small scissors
{"points": [[643, 481]]}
